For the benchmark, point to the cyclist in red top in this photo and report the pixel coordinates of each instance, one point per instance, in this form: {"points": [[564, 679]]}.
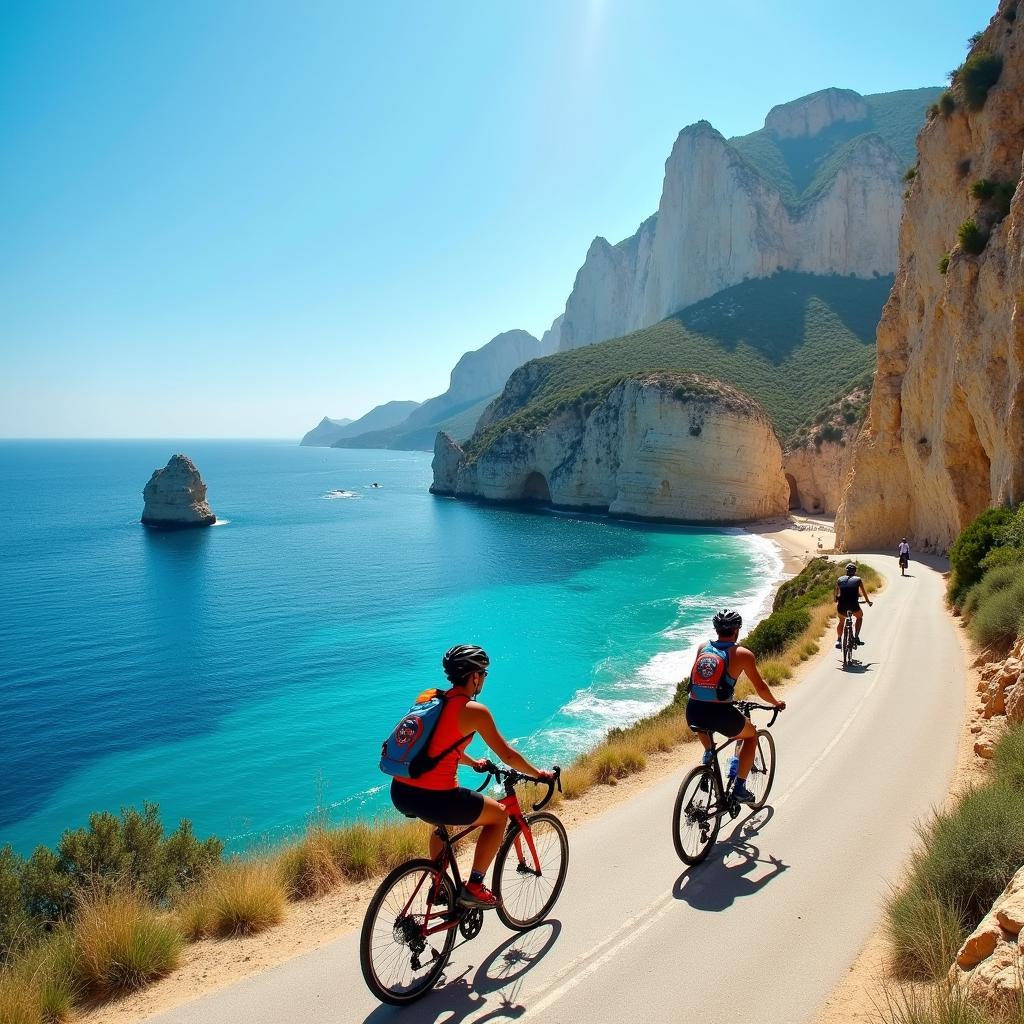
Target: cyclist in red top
{"points": [[437, 797]]}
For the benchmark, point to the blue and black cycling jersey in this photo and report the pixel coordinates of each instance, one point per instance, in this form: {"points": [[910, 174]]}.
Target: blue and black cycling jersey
{"points": [[849, 593]]}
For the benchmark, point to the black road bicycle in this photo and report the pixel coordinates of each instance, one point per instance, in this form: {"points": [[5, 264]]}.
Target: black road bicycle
{"points": [[849, 641], [409, 930], [704, 798]]}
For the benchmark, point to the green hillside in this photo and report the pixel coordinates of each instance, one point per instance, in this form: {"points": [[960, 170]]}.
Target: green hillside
{"points": [[460, 424], [803, 168], [792, 341]]}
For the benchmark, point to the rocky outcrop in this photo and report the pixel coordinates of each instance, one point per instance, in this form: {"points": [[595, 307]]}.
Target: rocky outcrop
{"points": [[477, 375], [176, 497], [810, 115], [550, 341], [661, 446], [990, 963], [721, 220], [945, 434], [1000, 699]]}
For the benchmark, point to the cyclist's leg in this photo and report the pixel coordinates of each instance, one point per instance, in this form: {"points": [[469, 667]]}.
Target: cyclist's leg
{"points": [[858, 616], [839, 625], [492, 821], [748, 748]]}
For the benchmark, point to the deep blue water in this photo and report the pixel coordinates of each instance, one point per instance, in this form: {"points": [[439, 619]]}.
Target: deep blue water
{"points": [[245, 675]]}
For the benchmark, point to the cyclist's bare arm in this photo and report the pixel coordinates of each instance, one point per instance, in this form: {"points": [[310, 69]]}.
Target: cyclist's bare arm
{"points": [[864, 592], [744, 661], [474, 717]]}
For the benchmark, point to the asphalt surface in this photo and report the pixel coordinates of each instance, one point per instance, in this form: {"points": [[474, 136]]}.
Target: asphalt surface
{"points": [[761, 931]]}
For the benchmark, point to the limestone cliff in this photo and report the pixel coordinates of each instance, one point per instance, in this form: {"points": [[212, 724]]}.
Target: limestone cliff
{"points": [[945, 433], [176, 497], [724, 218], [663, 446]]}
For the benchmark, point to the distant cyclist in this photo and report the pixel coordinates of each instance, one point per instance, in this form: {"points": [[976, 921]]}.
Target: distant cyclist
{"points": [[904, 552], [847, 597], [710, 707], [436, 795]]}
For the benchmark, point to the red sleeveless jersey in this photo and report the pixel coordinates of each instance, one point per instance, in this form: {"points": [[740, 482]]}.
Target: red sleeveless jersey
{"points": [[446, 732]]}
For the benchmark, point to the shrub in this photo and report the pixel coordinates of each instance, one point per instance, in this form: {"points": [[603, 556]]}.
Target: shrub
{"points": [[121, 943], [943, 262], [238, 898], [1008, 758], [308, 868], [975, 541], [50, 975], [777, 631], [910, 174], [999, 619], [971, 237], [992, 582], [615, 761], [17, 929], [968, 855], [946, 104], [983, 189], [979, 73]]}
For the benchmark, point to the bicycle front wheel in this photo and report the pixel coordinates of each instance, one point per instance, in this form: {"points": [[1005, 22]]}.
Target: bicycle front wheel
{"points": [[404, 945], [695, 820], [762, 772], [530, 870]]}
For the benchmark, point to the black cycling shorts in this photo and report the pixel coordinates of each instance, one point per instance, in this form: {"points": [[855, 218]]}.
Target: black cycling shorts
{"points": [[707, 716], [847, 606], [459, 806]]}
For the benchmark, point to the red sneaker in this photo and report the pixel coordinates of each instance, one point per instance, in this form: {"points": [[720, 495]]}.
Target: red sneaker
{"points": [[476, 894]]}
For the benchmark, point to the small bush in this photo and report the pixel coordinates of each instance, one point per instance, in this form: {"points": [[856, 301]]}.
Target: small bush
{"points": [[975, 541], [238, 898], [50, 975], [999, 619], [774, 672], [910, 174], [308, 868], [971, 237], [992, 582], [121, 943], [777, 631], [936, 1004], [1009, 757], [983, 189], [944, 262], [947, 103], [615, 761], [924, 932], [979, 73]]}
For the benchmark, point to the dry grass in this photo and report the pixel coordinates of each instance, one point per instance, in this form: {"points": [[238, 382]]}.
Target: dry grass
{"points": [[121, 942], [241, 897]]}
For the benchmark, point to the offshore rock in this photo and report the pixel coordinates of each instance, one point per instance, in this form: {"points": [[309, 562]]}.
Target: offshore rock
{"points": [[944, 437], [176, 497], [661, 446]]}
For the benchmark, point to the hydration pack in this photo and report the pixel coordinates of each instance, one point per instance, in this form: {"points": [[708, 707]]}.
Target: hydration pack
{"points": [[404, 754], [708, 679]]}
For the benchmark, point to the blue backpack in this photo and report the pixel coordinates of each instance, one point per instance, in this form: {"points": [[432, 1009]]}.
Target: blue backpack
{"points": [[403, 755]]}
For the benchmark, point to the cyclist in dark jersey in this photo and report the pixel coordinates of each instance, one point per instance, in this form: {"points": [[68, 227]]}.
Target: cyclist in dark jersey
{"points": [[847, 598], [436, 795], [715, 713]]}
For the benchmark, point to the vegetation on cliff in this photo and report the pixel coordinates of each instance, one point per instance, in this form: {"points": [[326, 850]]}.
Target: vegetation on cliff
{"points": [[791, 341]]}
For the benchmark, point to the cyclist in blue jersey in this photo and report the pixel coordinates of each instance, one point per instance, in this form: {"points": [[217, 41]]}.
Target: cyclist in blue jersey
{"points": [[718, 666], [847, 597]]}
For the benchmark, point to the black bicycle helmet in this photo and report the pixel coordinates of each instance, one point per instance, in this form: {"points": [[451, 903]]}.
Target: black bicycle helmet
{"points": [[462, 661], [727, 621], [851, 568]]}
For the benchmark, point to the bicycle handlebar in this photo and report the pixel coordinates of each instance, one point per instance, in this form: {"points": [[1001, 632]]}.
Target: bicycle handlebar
{"points": [[746, 706], [511, 777]]}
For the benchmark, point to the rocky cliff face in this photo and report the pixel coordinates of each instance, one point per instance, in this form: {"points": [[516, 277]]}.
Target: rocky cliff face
{"points": [[478, 374], [945, 433], [721, 220], [661, 446], [176, 497]]}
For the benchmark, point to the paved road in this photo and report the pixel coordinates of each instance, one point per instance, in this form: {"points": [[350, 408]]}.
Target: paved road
{"points": [[763, 930]]}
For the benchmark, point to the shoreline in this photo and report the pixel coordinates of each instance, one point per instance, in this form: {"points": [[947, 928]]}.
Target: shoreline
{"points": [[212, 964]]}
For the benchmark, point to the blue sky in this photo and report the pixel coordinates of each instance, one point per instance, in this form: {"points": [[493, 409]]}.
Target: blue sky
{"points": [[232, 218]]}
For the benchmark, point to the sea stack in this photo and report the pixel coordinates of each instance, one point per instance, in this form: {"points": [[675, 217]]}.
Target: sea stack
{"points": [[176, 497]]}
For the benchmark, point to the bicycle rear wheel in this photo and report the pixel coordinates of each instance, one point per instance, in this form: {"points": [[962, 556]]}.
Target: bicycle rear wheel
{"points": [[400, 962], [695, 820], [762, 772], [847, 645], [528, 887]]}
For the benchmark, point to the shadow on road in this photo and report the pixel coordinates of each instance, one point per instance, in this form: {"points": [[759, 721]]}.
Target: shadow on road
{"points": [[725, 876], [858, 667], [492, 991]]}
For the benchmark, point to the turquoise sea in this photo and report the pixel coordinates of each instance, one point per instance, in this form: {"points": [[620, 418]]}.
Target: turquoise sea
{"points": [[244, 675]]}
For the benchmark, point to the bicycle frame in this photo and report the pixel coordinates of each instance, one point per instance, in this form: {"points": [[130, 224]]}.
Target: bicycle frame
{"points": [[446, 860]]}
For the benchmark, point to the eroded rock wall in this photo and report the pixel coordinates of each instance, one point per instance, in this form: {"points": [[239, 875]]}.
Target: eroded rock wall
{"points": [[945, 432], [817, 475], [652, 449]]}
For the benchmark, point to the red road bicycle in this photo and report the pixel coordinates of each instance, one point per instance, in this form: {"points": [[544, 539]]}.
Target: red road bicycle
{"points": [[410, 925]]}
